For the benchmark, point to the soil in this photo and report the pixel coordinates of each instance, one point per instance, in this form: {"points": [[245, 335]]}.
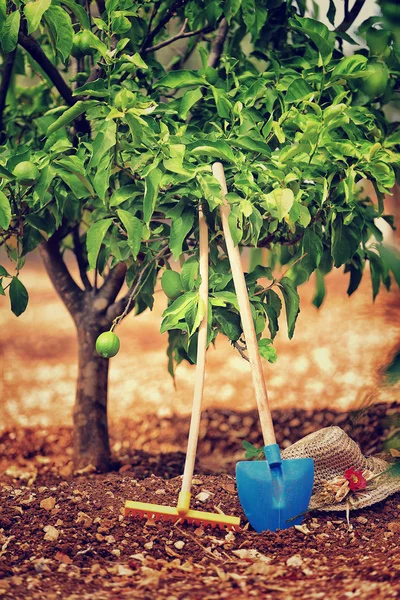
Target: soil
{"points": [[64, 535]]}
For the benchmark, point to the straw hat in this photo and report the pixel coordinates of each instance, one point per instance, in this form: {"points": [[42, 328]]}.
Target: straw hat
{"points": [[344, 478]]}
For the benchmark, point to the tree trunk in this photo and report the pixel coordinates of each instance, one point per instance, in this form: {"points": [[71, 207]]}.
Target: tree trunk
{"points": [[91, 441], [93, 311]]}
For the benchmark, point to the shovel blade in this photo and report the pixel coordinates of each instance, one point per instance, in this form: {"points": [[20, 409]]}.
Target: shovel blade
{"points": [[275, 496]]}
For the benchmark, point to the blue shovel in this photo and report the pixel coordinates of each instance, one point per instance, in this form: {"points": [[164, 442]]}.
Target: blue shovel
{"points": [[274, 493]]}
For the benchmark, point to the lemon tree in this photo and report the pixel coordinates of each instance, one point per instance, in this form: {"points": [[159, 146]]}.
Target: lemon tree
{"points": [[111, 114]]}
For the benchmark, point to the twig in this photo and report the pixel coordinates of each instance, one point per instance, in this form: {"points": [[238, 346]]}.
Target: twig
{"points": [[179, 36], [217, 45], [292, 265], [350, 17], [241, 350], [191, 537], [133, 292], [169, 13], [5, 83]]}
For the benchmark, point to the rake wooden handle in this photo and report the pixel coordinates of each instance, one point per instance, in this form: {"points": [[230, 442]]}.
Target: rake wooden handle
{"points": [[239, 281], [184, 496]]}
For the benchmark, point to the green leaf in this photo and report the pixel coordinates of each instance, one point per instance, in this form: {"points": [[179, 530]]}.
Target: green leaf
{"points": [[3, 11], [151, 186], [78, 11], [123, 193], [4, 272], [248, 143], [94, 239], [180, 228], [218, 149], [33, 13], [18, 297], [60, 29], [249, 13], [376, 270], [104, 140], [180, 79], [231, 8], [9, 31], [320, 290], [318, 33], [272, 307], [229, 323], [222, 103], [266, 350], [95, 88], [311, 246], [133, 228], [349, 67], [5, 211], [189, 99], [189, 273], [280, 201], [71, 114], [331, 14], [391, 259], [345, 240], [292, 303], [298, 90]]}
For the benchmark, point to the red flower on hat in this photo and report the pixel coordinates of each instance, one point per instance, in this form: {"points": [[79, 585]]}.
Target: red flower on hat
{"points": [[356, 479]]}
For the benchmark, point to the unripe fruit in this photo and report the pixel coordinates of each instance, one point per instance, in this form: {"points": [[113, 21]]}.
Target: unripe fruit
{"points": [[82, 43], [171, 284], [378, 40], [26, 172], [375, 81], [107, 344]]}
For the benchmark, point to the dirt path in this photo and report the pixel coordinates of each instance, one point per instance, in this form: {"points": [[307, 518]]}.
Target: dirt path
{"points": [[332, 360]]}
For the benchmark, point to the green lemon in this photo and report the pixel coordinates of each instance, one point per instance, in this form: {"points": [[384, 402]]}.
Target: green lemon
{"points": [[107, 344], [83, 42], [375, 80], [171, 284], [378, 40], [26, 172], [76, 51]]}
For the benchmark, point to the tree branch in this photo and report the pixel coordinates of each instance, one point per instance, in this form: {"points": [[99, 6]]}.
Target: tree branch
{"points": [[80, 259], [119, 310], [33, 48], [179, 36], [350, 17], [5, 84], [169, 13], [217, 45], [113, 283], [70, 293]]}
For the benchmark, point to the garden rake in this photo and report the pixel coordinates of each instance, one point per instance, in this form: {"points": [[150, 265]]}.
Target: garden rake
{"points": [[272, 492], [182, 511]]}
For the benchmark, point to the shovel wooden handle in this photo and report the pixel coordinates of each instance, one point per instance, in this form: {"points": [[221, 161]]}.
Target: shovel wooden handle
{"points": [[184, 496], [239, 281]]}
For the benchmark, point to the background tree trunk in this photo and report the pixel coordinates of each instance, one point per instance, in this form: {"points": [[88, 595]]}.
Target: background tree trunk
{"points": [[91, 441]]}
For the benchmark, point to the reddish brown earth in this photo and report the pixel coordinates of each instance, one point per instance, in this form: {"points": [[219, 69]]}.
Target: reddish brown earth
{"points": [[65, 536]]}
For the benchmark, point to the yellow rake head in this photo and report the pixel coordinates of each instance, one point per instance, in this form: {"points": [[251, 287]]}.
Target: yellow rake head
{"points": [[171, 514]]}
